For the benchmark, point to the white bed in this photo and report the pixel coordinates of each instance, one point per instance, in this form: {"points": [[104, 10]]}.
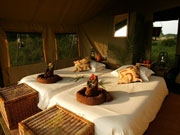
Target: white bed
{"points": [[134, 106], [47, 91]]}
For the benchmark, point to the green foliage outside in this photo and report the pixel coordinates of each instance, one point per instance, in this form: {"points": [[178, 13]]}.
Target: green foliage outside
{"points": [[29, 49], [67, 45], [164, 44]]}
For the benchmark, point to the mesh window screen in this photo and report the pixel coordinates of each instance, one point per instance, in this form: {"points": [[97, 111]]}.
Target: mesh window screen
{"points": [[25, 48], [67, 45]]}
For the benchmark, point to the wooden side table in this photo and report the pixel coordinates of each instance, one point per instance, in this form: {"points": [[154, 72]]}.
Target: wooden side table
{"points": [[150, 65], [161, 71], [110, 65]]}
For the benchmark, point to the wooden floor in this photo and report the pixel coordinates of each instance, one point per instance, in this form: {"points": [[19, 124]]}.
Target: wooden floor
{"points": [[4, 130], [167, 121]]}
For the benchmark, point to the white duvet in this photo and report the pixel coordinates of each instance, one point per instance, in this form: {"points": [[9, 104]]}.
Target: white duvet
{"points": [[47, 91], [134, 106]]}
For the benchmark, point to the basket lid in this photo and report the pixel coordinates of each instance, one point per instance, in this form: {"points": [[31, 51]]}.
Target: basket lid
{"points": [[15, 92], [57, 120]]}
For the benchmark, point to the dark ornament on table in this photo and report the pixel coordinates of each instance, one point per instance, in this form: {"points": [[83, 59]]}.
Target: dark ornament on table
{"points": [[92, 86], [92, 54], [49, 76], [92, 95]]}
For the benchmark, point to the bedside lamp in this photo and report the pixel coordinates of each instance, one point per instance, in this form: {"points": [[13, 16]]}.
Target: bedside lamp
{"points": [[163, 59], [92, 54]]}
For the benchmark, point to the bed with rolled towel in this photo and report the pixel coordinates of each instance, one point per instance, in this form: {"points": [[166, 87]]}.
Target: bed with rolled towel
{"points": [[70, 79], [133, 107]]}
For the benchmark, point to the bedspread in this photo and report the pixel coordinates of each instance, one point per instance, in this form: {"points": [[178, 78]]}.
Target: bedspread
{"points": [[47, 91], [134, 106]]}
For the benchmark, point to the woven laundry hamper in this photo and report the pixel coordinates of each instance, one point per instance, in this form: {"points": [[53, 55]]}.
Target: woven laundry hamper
{"points": [[17, 103], [56, 121]]}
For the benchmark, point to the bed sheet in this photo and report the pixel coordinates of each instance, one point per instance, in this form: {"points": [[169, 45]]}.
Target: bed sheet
{"points": [[47, 91], [134, 106]]}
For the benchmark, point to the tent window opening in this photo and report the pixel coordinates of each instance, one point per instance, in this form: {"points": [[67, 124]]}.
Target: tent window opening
{"points": [[120, 25], [25, 48], [164, 43], [67, 45]]}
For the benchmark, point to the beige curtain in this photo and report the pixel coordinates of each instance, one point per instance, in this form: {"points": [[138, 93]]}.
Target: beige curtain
{"points": [[4, 57]]}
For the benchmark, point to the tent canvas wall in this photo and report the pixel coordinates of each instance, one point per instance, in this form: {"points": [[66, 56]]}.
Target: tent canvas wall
{"points": [[92, 20]]}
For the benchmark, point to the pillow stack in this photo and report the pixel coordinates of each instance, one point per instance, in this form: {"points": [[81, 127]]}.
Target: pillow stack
{"points": [[96, 66], [82, 65], [145, 73], [131, 73]]}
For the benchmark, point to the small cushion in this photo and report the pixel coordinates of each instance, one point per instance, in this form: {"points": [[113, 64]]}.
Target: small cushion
{"points": [[97, 66], [82, 65], [115, 72], [145, 72], [129, 74]]}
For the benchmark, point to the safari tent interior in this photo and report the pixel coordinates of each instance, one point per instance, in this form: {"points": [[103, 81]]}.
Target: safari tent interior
{"points": [[93, 24]]}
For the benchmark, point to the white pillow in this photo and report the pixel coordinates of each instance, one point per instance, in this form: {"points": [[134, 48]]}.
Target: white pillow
{"points": [[96, 66], [145, 72], [178, 78]]}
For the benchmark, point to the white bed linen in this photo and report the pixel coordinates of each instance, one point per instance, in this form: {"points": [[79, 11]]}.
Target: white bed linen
{"points": [[47, 91], [134, 106]]}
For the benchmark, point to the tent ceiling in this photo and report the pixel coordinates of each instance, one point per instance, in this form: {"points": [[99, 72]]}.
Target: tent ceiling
{"points": [[148, 6], [51, 11], [73, 11]]}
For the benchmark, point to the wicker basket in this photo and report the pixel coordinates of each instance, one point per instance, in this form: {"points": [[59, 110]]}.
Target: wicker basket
{"points": [[56, 121], [17, 103]]}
